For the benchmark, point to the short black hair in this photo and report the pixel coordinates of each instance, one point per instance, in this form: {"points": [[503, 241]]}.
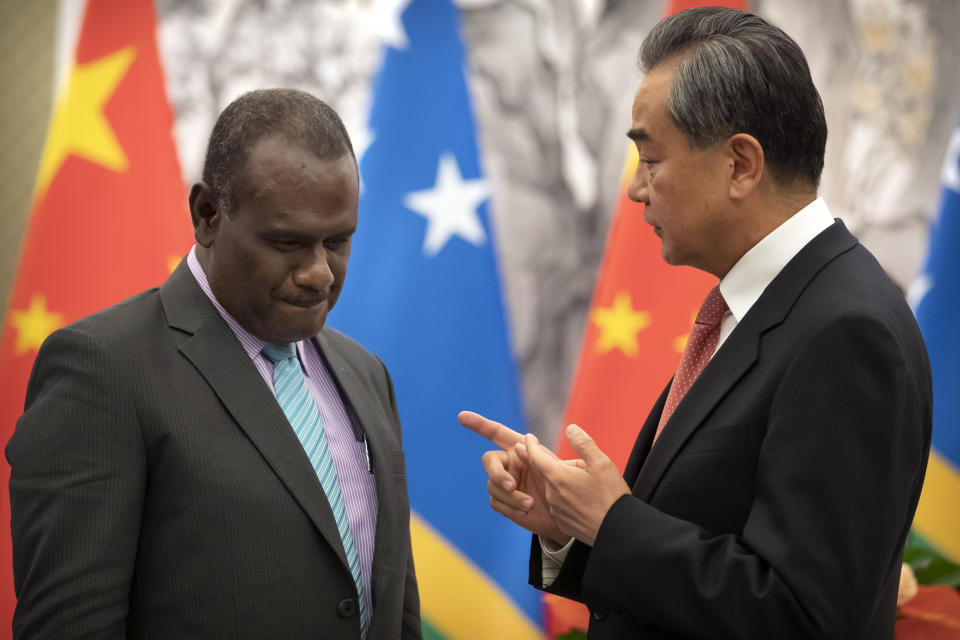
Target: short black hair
{"points": [[301, 118], [737, 73]]}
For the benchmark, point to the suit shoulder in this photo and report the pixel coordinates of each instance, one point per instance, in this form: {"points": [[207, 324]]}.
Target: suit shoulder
{"points": [[853, 291], [130, 318], [350, 348], [855, 283]]}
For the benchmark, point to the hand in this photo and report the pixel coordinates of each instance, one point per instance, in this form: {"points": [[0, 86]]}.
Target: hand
{"points": [[577, 498], [514, 492]]}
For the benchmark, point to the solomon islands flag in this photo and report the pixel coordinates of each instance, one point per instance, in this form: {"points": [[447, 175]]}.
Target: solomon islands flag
{"points": [[935, 297], [424, 294]]}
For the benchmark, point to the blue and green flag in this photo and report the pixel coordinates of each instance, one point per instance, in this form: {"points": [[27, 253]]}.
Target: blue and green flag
{"points": [[424, 294], [936, 300]]}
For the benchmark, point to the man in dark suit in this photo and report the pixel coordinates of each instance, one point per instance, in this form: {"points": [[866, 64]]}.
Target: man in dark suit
{"points": [[206, 459], [771, 487]]}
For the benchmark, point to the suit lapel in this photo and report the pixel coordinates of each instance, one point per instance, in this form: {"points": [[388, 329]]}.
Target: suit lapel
{"points": [[641, 448], [735, 357], [370, 421], [217, 354]]}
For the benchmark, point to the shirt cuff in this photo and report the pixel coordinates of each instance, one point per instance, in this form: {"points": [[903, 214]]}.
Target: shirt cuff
{"points": [[551, 561]]}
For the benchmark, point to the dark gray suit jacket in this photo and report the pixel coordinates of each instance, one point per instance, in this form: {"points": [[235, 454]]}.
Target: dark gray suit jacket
{"points": [[776, 502], [158, 491]]}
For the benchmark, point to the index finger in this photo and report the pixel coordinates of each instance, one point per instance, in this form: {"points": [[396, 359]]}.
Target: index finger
{"points": [[500, 435]]}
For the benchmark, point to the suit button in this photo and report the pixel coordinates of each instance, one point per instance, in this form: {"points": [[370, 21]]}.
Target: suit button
{"points": [[599, 615], [346, 608]]}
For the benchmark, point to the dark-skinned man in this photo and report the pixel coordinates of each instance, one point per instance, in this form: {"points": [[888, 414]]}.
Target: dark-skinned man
{"points": [[772, 485], [207, 459]]}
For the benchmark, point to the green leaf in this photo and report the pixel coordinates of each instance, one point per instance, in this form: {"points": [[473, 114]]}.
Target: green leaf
{"points": [[929, 565], [576, 634]]}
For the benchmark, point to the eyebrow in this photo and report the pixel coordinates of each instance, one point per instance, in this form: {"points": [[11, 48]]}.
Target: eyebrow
{"points": [[638, 135]]}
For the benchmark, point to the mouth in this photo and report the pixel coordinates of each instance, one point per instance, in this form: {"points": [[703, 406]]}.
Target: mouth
{"points": [[306, 302]]}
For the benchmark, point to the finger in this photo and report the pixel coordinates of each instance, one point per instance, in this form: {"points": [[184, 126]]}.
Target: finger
{"points": [[500, 435], [517, 515], [584, 446], [539, 456], [515, 499], [495, 464], [520, 450]]}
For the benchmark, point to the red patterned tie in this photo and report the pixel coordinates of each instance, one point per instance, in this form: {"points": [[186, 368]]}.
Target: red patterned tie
{"points": [[701, 344]]}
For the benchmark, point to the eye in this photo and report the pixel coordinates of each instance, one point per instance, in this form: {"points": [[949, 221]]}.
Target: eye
{"points": [[284, 245], [337, 243]]}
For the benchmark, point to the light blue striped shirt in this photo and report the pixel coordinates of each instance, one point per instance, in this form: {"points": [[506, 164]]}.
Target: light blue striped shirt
{"points": [[357, 485]]}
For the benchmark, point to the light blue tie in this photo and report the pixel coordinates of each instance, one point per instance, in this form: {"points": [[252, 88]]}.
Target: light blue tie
{"points": [[294, 397]]}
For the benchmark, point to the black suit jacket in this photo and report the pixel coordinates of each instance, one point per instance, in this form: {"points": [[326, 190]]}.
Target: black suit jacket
{"points": [[158, 491], [776, 501]]}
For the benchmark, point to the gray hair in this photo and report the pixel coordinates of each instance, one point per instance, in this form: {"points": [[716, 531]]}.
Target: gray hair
{"points": [[299, 117], [738, 73]]}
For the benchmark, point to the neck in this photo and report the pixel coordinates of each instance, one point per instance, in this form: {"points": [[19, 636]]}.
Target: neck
{"points": [[757, 218]]}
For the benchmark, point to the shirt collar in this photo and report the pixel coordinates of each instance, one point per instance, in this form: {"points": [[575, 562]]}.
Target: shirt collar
{"points": [[747, 279], [251, 344]]}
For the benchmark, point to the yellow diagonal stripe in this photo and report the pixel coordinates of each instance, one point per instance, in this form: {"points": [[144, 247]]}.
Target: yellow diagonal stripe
{"points": [[938, 514], [458, 599]]}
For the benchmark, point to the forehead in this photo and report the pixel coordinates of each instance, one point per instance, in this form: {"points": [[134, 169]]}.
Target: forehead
{"points": [[650, 117], [281, 174], [278, 160]]}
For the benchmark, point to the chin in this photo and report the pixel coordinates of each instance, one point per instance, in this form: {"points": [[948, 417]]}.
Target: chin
{"points": [[294, 332]]}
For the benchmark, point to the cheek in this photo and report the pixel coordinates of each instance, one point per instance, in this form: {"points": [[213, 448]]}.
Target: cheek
{"points": [[338, 265]]}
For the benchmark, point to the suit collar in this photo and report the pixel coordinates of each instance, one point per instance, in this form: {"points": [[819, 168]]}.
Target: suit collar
{"points": [[214, 350], [745, 282], [736, 355], [369, 422]]}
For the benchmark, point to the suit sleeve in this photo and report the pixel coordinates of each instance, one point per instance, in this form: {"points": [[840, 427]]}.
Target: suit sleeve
{"points": [[76, 494], [411, 595], [839, 470]]}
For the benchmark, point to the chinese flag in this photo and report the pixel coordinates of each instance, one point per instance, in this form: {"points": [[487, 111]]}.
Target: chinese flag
{"points": [[109, 216], [641, 312]]}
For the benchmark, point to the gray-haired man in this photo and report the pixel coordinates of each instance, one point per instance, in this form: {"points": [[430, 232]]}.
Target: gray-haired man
{"points": [[771, 487]]}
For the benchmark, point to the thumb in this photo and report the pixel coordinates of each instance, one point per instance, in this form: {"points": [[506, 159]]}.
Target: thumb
{"points": [[536, 457], [584, 446]]}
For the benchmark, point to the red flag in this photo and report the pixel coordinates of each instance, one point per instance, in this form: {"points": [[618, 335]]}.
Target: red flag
{"points": [[109, 216], [641, 312]]}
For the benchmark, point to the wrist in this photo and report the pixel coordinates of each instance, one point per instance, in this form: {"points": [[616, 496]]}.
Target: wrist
{"points": [[554, 541]]}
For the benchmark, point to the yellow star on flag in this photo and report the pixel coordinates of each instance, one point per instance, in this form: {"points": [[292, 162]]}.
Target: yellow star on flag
{"points": [[79, 126], [173, 262], [680, 342], [34, 325], [619, 325]]}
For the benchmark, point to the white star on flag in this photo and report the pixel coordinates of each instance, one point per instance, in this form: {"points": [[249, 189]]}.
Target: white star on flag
{"points": [[361, 138], [450, 207], [918, 290], [389, 26], [950, 177]]}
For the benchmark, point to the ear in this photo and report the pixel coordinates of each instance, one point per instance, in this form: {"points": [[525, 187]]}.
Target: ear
{"points": [[205, 214], [746, 156]]}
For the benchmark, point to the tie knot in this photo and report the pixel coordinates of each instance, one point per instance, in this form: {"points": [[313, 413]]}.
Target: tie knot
{"points": [[277, 352], [713, 308]]}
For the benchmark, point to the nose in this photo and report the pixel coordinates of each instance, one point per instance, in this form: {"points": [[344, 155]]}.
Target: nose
{"points": [[637, 188], [315, 273]]}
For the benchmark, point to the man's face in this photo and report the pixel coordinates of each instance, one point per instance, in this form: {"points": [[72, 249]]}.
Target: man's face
{"points": [[684, 190], [277, 264]]}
